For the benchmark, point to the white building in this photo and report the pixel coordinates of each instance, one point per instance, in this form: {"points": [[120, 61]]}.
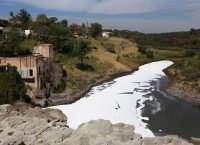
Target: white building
{"points": [[105, 34], [28, 32]]}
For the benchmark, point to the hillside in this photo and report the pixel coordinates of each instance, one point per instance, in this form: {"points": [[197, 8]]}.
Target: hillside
{"points": [[109, 57]]}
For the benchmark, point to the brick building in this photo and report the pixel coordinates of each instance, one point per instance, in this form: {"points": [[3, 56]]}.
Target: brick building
{"points": [[39, 70]]}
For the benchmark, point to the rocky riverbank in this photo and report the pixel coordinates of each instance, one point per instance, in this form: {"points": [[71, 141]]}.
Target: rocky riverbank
{"points": [[33, 126], [182, 89], [185, 92]]}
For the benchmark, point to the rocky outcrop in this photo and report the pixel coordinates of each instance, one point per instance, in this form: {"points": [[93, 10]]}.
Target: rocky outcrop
{"points": [[48, 127], [102, 132]]}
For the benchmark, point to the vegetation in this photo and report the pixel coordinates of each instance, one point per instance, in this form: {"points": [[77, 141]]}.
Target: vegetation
{"points": [[45, 30], [12, 88], [4, 23], [99, 62], [96, 30], [10, 50], [22, 19], [183, 48], [87, 57]]}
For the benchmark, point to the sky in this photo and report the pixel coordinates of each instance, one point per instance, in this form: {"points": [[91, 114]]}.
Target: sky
{"points": [[148, 16]]}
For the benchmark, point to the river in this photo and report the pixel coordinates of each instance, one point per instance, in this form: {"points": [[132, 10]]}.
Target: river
{"points": [[138, 99]]}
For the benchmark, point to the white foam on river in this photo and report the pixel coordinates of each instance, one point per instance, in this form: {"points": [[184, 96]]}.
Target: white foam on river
{"points": [[116, 100]]}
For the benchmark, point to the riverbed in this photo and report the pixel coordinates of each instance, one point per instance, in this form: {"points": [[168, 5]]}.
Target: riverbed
{"points": [[138, 99]]}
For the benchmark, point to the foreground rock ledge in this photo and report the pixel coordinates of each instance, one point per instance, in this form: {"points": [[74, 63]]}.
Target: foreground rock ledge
{"points": [[48, 127]]}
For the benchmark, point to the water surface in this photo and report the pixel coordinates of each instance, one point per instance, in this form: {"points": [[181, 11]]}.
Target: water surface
{"points": [[137, 99]]}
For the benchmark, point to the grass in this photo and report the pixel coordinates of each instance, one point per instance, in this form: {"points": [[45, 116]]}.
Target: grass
{"points": [[124, 57], [186, 69], [103, 62]]}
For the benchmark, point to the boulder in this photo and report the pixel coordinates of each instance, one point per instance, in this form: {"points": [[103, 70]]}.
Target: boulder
{"points": [[47, 114]]}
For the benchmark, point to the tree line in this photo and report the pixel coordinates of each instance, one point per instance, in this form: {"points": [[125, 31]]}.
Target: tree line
{"points": [[187, 39], [65, 38]]}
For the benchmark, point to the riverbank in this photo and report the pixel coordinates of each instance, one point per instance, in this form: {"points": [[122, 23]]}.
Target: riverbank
{"points": [[104, 66], [182, 89], [64, 98], [37, 126]]}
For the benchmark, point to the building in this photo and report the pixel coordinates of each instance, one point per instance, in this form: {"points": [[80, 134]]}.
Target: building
{"points": [[28, 32], [39, 70], [5, 32], [105, 34]]}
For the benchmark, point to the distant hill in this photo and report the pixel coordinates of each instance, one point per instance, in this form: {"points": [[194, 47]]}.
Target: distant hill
{"points": [[188, 39]]}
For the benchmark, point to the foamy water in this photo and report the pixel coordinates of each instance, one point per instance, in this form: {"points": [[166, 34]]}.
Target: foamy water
{"points": [[120, 101]]}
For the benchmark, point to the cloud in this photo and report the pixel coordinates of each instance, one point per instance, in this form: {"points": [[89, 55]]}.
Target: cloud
{"points": [[125, 6], [113, 6], [61, 5], [142, 15]]}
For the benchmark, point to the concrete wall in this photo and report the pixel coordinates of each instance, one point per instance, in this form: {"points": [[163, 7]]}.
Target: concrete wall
{"points": [[23, 64], [57, 73], [37, 71], [26, 66], [46, 50]]}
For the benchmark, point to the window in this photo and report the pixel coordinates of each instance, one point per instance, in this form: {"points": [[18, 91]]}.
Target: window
{"points": [[31, 72]]}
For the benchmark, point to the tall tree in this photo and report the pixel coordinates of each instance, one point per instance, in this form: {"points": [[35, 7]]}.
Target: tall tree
{"points": [[11, 14], [64, 22], [42, 19], [24, 18], [96, 29], [13, 20], [82, 49]]}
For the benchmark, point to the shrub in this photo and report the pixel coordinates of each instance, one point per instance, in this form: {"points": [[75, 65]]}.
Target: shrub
{"points": [[12, 88], [111, 49], [149, 54]]}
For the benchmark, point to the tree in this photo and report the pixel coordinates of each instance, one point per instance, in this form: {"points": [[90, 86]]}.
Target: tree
{"points": [[11, 14], [64, 22], [149, 54], [13, 20], [82, 49], [41, 27], [96, 30], [24, 18], [142, 49], [53, 20], [4, 23], [12, 88], [42, 19], [74, 28]]}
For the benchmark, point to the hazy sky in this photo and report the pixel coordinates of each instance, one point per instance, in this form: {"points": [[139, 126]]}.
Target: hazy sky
{"points": [[148, 16]]}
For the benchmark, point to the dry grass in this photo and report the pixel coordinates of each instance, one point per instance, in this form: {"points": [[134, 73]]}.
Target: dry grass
{"points": [[123, 48], [104, 62]]}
